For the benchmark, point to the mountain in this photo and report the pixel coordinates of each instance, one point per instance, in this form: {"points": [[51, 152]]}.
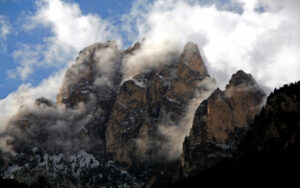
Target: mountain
{"points": [[149, 100], [269, 152], [104, 122], [162, 124], [220, 123]]}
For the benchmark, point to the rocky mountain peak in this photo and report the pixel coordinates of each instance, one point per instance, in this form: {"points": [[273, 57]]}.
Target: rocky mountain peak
{"points": [[241, 78], [221, 121], [150, 100], [43, 101], [243, 87], [192, 58], [98, 46], [132, 49], [97, 68]]}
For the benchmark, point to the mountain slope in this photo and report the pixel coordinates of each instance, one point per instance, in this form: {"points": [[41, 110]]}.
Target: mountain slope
{"points": [[150, 100], [220, 122], [269, 152], [108, 128]]}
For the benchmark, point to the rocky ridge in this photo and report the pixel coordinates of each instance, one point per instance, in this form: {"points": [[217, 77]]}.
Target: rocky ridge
{"points": [[144, 103], [100, 119], [220, 123], [269, 152]]}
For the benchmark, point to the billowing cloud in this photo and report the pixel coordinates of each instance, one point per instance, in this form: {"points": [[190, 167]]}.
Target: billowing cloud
{"points": [[28, 56], [71, 31], [262, 39], [175, 135], [26, 95], [69, 25]]}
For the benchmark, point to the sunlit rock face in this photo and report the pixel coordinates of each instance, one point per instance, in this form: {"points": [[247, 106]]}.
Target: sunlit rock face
{"points": [[220, 123], [190, 71], [128, 119], [158, 97]]}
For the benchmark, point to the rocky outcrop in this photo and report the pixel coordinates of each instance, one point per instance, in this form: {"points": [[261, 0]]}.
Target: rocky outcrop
{"points": [[129, 118], [152, 99], [96, 63], [132, 50], [220, 123], [93, 81], [191, 70], [268, 153]]}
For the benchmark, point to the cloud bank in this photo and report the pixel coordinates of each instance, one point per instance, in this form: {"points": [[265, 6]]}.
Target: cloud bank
{"points": [[26, 95], [263, 39]]}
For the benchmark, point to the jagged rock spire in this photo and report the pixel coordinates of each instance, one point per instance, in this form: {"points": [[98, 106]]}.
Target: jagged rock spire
{"points": [[241, 78], [150, 100], [191, 57]]}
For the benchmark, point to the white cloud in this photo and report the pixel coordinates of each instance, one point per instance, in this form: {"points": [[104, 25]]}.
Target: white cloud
{"points": [[69, 25], [28, 56], [70, 32], [26, 95], [4, 27], [265, 43]]}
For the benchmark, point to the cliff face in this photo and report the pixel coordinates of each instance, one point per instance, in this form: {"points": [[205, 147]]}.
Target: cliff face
{"points": [[220, 123], [190, 71], [150, 100], [99, 119], [268, 153], [129, 118], [94, 81]]}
